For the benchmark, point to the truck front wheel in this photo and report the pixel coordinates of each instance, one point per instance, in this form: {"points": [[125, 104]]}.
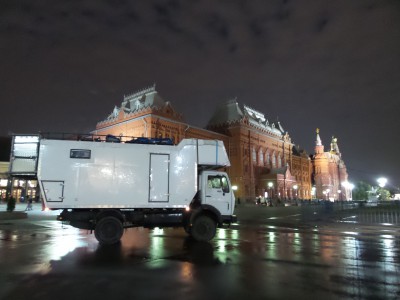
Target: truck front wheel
{"points": [[108, 230], [203, 228]]}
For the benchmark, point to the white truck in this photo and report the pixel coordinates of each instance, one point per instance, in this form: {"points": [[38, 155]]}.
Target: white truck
{"points": [[107, 185]]}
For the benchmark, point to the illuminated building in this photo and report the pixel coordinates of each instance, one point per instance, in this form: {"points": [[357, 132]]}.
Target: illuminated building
{"points": [[3, 179], [330, 173], [18, 187], [264, 161]]}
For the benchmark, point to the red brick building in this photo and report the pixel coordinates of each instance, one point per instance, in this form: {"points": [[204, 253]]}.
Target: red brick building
{"points": [[264, 161]]}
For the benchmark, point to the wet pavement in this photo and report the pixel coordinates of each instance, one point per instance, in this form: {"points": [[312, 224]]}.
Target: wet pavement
{"points": [[272, 253]]}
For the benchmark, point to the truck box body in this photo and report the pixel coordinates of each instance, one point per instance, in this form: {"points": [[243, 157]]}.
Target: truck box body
{"points": [[80, 174]]}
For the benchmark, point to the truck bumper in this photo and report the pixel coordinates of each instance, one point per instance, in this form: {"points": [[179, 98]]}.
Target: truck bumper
{"points": [[229, 219]]}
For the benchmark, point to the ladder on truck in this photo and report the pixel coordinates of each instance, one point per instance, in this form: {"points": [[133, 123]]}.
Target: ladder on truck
{"points": [[24, 155]]}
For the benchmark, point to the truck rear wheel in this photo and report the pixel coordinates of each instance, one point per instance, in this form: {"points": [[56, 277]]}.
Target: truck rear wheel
{"points": [[108, 230], [203, 228]]}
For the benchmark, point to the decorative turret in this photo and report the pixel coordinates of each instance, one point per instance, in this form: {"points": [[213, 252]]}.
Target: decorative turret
{"points": [[335, 147], [319, 148]]}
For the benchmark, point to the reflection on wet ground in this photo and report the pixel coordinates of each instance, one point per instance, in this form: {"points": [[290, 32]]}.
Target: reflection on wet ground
{"points": [[254, 261]]}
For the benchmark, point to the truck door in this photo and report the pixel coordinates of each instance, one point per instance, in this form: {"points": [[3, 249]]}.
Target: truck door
{"points": [[159, 178], [218, 193]]}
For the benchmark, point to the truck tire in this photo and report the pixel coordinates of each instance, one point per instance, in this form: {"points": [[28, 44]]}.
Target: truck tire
{"points": [[203, 228], [108, 230]]}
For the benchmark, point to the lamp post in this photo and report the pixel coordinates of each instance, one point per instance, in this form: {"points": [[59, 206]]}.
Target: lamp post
{"points": [[295, 187], [348, 187], [235, 188], [270, 186], [351, 187], [313, 195]]}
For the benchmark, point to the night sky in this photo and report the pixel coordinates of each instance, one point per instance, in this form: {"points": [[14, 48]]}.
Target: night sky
{"points": [[334, 65]]}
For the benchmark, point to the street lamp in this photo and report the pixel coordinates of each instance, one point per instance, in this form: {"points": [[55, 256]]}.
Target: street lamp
{"points": [[313, 189], [235, 188], [348, 187], [270, 186], [382, 182], [351, 187], [295, 187]]}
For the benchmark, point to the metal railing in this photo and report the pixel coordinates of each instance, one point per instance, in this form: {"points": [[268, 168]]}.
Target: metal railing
{"points": [[363, 212]]}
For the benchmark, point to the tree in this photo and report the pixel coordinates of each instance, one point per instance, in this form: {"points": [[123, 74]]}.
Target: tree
{"points": [[360, 192], [383, 194]]}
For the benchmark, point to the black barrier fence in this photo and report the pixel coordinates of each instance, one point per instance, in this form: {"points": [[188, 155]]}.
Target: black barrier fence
{"points": [[363, 212]]}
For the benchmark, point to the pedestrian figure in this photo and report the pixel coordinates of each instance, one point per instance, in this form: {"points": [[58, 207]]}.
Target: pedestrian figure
{"points": [[29, 206]]}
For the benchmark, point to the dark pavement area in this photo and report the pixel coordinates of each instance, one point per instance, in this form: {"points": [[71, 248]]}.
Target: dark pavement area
{"points": [[289, 252]]}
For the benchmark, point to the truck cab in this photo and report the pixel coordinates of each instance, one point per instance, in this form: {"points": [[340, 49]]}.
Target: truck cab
{"points": [[216, 191]]}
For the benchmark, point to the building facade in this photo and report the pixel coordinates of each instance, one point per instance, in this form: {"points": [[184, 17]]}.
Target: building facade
{"points": [[330, 172], [3, 179], [264, 161], [19, 188]]}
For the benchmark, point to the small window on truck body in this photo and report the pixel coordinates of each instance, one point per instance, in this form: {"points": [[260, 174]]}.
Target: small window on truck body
{"points": [[80, 153]]}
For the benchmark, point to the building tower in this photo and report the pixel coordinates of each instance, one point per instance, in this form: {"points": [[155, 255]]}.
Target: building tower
{"points": [[330, 173]]}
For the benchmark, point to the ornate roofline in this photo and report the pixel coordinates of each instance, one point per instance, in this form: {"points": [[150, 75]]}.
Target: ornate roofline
{"points": [[140, 92]]}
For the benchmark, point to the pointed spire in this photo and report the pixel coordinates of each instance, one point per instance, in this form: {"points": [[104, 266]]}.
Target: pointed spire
{"points": [[319, 148]]}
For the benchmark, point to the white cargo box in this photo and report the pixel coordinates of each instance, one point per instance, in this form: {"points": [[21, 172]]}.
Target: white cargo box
{"points": [[82, 174]]}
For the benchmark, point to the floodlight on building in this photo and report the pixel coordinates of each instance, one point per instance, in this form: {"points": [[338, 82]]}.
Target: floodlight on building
{"points": [[348, 185], [234, 187]]}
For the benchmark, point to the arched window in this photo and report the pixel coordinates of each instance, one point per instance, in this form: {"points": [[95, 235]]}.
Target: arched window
{"points": [[260, 157], [273, 160], [267, 158], [279, 161], [254, 156]]}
